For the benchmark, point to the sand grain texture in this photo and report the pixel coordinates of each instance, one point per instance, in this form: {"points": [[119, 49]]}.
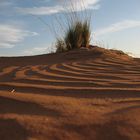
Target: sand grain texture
{"points": [[77, 95]]}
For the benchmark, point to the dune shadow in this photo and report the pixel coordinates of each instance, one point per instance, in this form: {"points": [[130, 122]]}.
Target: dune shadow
{"points": [[127, 102], [110, 131], [10, 129], [8, 105], [126, 109], [9, 76], [76, 93], [106, 131]]}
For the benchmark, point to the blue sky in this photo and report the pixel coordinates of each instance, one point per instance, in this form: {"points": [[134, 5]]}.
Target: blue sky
{"points": [[115, 24]]}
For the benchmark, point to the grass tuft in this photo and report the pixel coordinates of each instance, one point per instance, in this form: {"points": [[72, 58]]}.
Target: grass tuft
{"points": [[76, 34], [60, 46]]}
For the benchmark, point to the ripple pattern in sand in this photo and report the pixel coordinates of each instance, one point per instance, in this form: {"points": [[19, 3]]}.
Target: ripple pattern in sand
{"points": [[80, 77]]}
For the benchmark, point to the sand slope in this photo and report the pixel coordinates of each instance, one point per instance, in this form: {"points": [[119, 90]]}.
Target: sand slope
{"points": [[78, 95]]}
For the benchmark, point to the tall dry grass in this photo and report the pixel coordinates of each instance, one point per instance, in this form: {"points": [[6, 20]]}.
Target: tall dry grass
{"points": [[76, 29], [71, 28]]}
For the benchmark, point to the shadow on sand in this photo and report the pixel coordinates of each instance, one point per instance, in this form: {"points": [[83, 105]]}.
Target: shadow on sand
{"points": [[8, 105], [10, 129]]}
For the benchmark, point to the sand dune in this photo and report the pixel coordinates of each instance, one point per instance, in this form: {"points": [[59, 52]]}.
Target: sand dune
{"points": [[77, 95]]}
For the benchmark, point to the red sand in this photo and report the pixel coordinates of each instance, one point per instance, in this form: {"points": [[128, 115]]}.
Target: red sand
{"points": [[77, 95]]}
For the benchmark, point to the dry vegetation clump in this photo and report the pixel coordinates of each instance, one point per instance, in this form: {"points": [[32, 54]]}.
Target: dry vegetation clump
{"points": [[77, 36], [77, 32], [61, 46]]}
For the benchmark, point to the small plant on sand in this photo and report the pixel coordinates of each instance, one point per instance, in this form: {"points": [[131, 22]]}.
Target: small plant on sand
{"points": [[71, 27], [76, 34]]}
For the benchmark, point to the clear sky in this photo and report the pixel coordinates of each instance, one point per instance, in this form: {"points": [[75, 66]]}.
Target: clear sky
{"points": [[115, 24]]}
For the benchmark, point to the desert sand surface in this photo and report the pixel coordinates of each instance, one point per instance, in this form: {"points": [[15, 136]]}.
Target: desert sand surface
{"points": [[77, 95]]}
